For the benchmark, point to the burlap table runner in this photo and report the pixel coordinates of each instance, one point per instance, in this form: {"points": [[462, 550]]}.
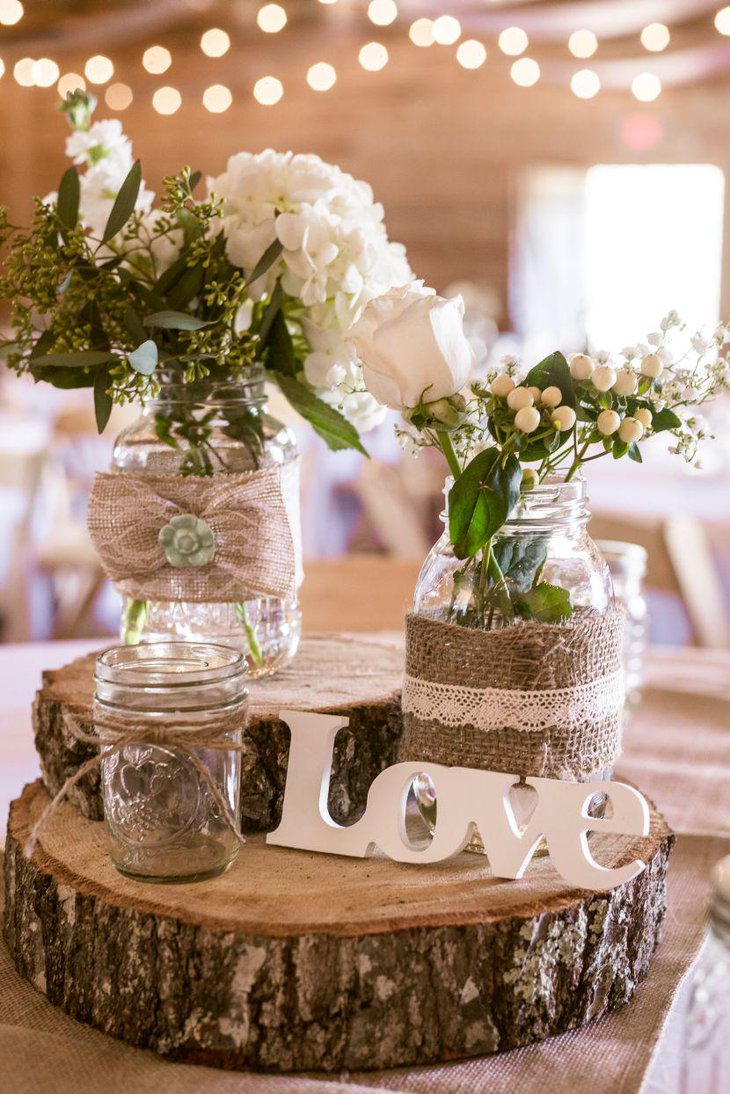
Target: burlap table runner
{"points": [[253, 515], [539, 699]]}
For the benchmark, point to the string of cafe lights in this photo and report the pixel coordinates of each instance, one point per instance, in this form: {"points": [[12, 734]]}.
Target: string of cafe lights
{"points": [[272, 18]]}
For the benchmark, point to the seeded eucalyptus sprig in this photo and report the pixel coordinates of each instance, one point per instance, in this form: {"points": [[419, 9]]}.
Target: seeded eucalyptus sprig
{"points": [[149, 298]]}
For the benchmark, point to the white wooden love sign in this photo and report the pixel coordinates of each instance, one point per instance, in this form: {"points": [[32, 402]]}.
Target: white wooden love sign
{"points": [[468, 798]]}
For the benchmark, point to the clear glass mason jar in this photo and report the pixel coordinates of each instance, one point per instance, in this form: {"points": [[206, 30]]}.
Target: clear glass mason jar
{"points": [[211, 427], [627, 563], [545, 539], [706, 1055], [163, 819]]}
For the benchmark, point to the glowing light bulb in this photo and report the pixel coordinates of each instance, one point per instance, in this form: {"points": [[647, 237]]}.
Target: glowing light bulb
{"points": [[11, 12], [217, 98], [513, 41], [382, 12], [655, 37], [118, 96], [471, 54], [156, 60], [722, 20], [167, 100], [525, 72], [99, 69], [268, 90], [69, 83], [45, 72], [23, 71], [271, 18], [322, 76], [421, 32], [585, 83], [582, 43], [373, 57], [215, 42], [646, 87], [446, 30]]}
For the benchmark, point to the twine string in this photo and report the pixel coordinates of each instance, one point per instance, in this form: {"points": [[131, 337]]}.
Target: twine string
{"points": [[111, 740]]}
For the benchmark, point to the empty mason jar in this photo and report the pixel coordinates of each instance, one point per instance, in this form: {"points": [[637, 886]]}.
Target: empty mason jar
{"points": [[706, 1059], [167, 819], [627, 563]]}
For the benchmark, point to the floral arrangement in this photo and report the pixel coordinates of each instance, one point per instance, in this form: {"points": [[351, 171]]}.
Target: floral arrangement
{"points": [[504, 435], [269, 269]]}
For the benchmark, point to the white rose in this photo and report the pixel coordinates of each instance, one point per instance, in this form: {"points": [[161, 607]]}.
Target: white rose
{"points": [[413, 347]]}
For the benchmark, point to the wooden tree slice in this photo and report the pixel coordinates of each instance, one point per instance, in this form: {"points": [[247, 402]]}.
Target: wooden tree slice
{"points": [[296, 961], [336, 673]]}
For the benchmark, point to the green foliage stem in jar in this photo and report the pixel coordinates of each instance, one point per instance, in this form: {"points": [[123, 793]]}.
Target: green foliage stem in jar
{"points": [[259, 278]]}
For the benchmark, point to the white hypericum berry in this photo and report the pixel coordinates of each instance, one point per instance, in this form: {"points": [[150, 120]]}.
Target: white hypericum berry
{"points": [[581, 366], [631, 430], [604, 378], [527, 420], [551, 397], [564, 417], [608, 422], [644, 415], [536, 393], [626, 382], [502, 385], [518, 398], [652, 366]]}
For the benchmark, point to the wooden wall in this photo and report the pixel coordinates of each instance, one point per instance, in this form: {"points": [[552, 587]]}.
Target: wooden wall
{"points": [[441, 146]]}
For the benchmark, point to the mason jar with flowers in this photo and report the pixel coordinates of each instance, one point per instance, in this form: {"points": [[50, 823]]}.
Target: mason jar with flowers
{"points": [[513, 642], [195, 308]]}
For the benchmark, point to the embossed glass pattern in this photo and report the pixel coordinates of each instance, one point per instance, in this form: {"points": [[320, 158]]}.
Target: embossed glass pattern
{"points": [[163, 819]]}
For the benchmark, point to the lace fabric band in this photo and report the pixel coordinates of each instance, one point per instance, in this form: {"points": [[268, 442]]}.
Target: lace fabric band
{"points": [[496, 708]]}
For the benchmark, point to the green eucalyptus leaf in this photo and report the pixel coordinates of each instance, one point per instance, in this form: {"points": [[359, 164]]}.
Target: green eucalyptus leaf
{"points": [[85, 359], [635, 453], [280, 355], [124, 203], [270, 313], [176, 320], [619, 448], [481, 500], [102, 399], [553, 371], [665, 419], [134, 325], [195, 179], [144, 358], [520, 559], [69, 192], [335, 429], [545, 603], [267, 260], [186, 287]]}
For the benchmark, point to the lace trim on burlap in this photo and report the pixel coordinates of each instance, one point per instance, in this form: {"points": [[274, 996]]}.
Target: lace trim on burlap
{"points": [[539, 699]]}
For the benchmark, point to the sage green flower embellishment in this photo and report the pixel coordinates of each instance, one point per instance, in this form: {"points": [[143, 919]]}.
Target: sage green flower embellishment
{"points": [[187, 541]]}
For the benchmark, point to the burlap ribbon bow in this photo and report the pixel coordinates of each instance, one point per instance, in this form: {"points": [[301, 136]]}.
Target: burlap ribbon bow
{"points": [[254, 518]]}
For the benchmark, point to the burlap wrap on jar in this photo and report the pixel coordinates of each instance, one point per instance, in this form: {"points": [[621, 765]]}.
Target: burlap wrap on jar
{"points": [[253, 517], [540, 699]]}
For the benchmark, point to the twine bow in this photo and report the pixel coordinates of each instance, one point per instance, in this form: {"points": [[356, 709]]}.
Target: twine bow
{"points": [[253, 517], [112, 738]]}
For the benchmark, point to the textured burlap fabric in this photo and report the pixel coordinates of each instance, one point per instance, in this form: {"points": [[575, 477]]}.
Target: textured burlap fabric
{"points": [[558, 686], [254, 517]]}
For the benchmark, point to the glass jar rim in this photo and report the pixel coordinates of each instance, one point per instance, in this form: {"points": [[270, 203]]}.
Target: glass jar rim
{"points": [[151, 665]]}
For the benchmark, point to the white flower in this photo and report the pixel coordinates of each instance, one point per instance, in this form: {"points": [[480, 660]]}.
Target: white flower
{"points": [[654, 339], [413, 347], [103, 144], [336, 255]]}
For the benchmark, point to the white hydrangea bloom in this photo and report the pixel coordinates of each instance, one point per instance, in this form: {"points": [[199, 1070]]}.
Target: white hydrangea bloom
{"points": [[336, 257]]}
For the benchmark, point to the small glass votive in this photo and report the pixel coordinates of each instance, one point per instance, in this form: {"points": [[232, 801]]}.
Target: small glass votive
{"points": [[171, 806], [627, 563]]}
